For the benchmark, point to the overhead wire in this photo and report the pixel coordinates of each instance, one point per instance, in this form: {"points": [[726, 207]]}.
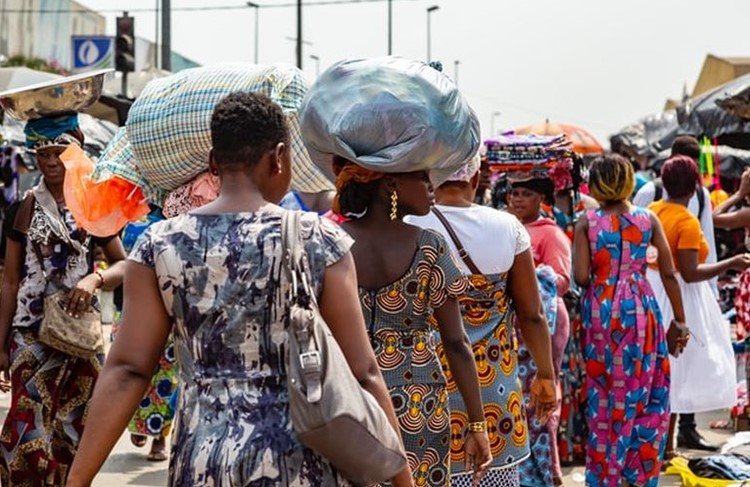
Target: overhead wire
{"points": [[314, 3]]}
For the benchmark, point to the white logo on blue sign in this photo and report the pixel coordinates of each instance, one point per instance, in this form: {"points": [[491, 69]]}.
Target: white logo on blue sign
{"points": [[91, 52]]}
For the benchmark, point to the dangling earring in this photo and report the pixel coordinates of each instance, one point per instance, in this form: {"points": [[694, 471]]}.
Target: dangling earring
{"points": [[394, 205]]}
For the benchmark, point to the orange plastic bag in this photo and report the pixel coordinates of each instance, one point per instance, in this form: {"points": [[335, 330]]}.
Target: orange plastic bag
{"points": [[102, 208]]}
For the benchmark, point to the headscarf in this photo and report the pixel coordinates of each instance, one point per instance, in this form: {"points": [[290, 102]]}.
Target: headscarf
{"points": [[352, 173], [389, 115], [465, 173], [51, 131]]}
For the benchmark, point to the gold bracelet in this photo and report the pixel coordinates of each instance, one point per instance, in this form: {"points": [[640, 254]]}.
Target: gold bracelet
{"points": [[477, 427]]}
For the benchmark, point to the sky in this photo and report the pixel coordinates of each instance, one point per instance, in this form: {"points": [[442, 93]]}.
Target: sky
{"points": [[598, 64]]}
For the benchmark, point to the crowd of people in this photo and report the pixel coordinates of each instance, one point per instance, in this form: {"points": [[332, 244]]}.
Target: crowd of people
{"points": [[572, 325]]}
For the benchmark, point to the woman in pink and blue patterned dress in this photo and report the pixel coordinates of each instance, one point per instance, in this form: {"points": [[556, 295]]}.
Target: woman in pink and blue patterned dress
{"points": [[626, 348]]}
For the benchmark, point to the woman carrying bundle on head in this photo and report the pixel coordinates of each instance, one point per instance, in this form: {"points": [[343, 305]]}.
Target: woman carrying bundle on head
{"points": [[387, 127], [48, 253], [213, 276], [627, 364]]}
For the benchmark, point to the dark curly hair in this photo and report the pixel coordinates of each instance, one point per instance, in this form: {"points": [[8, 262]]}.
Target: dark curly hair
{"points": [[244, 126], [355, 198], [686, 145]]}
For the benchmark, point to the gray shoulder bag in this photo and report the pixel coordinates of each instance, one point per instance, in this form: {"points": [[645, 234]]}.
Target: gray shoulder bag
{"points": [[331, 413]]}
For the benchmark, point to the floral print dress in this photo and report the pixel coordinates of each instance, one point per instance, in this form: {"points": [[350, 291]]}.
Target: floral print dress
{"points": [[627, 362], [219, 277], [397, 317]]}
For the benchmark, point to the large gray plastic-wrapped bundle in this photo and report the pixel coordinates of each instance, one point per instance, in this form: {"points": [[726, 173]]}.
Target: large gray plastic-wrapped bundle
{"points": [[389, 115]]}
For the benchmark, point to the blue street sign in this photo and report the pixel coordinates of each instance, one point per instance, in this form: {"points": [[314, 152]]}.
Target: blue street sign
{"points": [[92, 52]]}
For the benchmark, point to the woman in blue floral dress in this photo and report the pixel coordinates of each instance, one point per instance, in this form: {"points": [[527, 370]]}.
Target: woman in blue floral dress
{"points": [[212, 276]]}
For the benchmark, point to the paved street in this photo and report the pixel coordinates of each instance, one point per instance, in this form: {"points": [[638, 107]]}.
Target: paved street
{"points": [[127, 465]]}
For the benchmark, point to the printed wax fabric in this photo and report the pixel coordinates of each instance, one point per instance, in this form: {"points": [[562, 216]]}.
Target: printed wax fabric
{"points": [[627, 362], [397, 318], [220, 281], [389, 115], [50, 388], [532, 156], [156, 411], [488, 319], [537, 469]]}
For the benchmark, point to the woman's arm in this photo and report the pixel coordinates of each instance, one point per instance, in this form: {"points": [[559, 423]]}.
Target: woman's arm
{"points": [[339, 306], [692, 271], [113, 275], [739, 218], [79, 298], [666, 269], [677, 333], [582, 270], [8, 300], [735, 219], [127, 374], [534, 328], [464, 370]]}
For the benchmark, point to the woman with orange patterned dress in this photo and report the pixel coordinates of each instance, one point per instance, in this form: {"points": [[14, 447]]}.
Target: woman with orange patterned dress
{"points": [[502, 280], [385, 127]]}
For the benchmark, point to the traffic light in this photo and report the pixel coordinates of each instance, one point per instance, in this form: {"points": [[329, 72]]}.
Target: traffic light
{"points": [[125, 44]]}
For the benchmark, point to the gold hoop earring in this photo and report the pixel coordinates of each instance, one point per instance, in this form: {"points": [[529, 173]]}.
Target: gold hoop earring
{"points": [[394, 205]]}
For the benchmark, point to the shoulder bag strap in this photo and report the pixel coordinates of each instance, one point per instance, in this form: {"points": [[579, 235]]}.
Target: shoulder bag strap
{"points": [[302, 317], [461, 250], [25, 212]]}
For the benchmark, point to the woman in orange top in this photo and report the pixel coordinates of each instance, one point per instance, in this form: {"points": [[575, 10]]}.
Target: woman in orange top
{"points": [[703, 377]]}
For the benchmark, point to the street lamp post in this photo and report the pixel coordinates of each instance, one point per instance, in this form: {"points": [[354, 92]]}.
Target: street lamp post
{"points": [[299, 34], [429, 32], [317, 64], [455, 71], [257, 8], [492, 123], [390, 27]]}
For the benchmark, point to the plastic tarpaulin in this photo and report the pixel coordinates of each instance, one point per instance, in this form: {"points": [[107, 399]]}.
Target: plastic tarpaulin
{"points": [[716, 112]]}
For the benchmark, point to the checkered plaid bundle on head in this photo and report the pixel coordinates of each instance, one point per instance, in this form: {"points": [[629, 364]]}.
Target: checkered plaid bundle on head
{"points": [[118, 159], [169, 124]]}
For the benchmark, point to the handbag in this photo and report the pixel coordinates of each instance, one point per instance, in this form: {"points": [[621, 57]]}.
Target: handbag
{"points": [[331, 413], [80, 337]]}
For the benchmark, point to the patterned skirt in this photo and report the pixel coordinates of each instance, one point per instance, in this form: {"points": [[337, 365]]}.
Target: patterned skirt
{"points": [[571, 436], [424, 418], [51, 390], [156, 410], [495, 477]]}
